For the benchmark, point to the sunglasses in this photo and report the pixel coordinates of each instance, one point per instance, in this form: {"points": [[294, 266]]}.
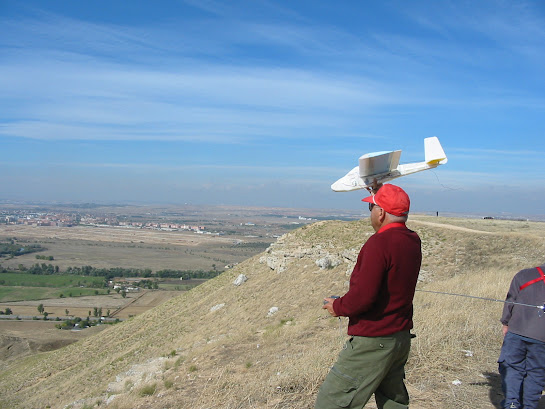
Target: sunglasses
{"points": [[371, 205]]}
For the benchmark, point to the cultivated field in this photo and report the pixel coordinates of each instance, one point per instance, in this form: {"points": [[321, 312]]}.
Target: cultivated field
{"points": [[30, 335], [106, 247], [119, 307]]}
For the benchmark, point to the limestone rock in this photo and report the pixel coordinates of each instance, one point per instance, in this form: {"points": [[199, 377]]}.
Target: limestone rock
{"points": [[241, 279], [217, 307], [272, 311]]}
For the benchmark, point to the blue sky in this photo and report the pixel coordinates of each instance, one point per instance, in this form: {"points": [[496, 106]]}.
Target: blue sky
{"points": [[266, 103]]}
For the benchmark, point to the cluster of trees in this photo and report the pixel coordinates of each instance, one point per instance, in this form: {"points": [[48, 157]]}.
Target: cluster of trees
{"points": [[144, 273], [7, 311], [109, 273], [50, 258], [151, 284], [82, 323], [13, 248], [187, 274], [41, 310], [41, 269]]}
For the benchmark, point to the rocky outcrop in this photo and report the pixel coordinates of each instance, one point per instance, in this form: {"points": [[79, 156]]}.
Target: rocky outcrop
{"points": [[280, 254]]}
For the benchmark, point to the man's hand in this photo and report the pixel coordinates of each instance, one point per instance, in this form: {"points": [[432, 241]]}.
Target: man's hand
{"points": [[504, 329], [373, 189], [328, 305], [376, 186]]}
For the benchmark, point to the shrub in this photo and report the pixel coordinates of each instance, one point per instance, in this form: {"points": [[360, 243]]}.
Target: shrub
{"points": [[148, 390]]}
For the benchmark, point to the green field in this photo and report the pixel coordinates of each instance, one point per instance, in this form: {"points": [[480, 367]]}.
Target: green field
{"points": [[65, 280], [26, 287], [13, 293], [177, 287]]}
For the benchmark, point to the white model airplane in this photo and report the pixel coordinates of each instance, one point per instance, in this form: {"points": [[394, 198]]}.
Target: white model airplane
{"points": [[379, 167]]}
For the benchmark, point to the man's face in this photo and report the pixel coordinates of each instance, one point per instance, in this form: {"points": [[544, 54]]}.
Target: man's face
{"points": [[376, 212]]}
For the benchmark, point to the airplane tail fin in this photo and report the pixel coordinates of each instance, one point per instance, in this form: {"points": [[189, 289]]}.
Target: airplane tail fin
{"points": [[434, 153]]}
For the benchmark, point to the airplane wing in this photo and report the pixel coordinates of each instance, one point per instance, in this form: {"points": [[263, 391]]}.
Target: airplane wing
{"points": [[381, 167], [378, 163]]}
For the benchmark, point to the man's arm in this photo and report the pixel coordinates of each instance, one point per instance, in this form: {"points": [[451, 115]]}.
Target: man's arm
{"points": [[365, 281]]}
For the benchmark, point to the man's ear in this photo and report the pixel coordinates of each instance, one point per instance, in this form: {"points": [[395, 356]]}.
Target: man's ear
{"points": [[381, 215]]}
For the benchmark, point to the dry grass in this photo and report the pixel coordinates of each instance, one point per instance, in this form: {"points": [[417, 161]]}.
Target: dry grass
{"points": [[236, 356]]}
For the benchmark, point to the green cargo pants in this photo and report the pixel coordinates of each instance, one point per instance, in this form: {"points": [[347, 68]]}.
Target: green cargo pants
{"points": [[365, 366]]}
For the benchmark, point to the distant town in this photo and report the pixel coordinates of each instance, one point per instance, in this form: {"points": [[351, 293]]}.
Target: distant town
{"points": [[204, 220], [25, 217]]}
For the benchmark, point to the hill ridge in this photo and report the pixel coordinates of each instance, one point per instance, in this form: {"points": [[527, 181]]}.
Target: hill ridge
{"points": [[186, 353]]}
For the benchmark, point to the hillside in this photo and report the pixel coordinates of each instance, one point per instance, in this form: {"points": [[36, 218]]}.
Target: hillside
{"points": [[221, 346]]}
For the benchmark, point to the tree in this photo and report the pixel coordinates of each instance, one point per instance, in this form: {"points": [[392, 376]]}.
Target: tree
{"points": [[67, 312], [41, 308], [8, 311], [124, 294]]}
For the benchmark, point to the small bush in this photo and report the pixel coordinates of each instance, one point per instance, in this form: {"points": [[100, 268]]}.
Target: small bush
{"points": [[148, 390]]}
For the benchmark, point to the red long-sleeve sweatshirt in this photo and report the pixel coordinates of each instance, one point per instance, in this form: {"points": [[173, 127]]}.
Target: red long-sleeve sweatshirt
{"points": [[380, 299]]}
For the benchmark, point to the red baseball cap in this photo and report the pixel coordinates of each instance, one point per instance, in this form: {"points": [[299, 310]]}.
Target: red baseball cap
{"points": [[392, 199]]}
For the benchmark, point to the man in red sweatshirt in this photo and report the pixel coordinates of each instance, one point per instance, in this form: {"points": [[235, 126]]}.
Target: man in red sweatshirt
{"points": [[379, 305]]}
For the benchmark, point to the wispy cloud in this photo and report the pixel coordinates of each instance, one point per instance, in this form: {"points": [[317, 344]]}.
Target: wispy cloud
{"points": [[277, 91]]}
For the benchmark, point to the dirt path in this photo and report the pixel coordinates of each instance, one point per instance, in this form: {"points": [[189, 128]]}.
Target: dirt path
{"points": [[131, 302], [450, 227]]}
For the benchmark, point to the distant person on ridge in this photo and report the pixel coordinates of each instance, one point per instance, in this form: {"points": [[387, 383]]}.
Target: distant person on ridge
{"points": [[379, 304], [522, 357]]}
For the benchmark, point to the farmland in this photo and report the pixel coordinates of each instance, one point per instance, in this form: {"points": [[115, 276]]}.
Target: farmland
{"points": [[65, 285], [58, 255]]}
